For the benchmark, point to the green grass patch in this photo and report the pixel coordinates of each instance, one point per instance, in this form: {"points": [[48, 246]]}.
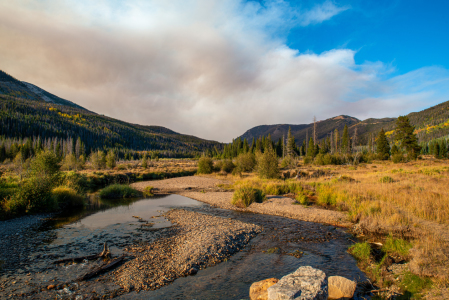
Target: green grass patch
{"points": [[361, 251], [117, 191], [414, 284], [244, 196], [386, 179], [397, 247]]}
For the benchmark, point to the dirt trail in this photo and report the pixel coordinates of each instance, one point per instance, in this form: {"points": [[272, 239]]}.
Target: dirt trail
{"points": [[207, 190]]}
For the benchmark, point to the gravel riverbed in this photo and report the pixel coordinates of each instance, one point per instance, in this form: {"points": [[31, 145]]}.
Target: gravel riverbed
{"points": [[196, 241]]}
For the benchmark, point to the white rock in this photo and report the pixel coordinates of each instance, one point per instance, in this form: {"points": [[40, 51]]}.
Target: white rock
{"points": [[306, 283]]}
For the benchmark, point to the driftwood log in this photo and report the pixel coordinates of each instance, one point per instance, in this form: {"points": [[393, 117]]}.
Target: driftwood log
{"points": [[101, 269], [105, 253]]}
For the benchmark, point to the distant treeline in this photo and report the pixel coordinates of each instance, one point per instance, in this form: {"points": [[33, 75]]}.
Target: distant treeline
{"points": [[37, 121]]}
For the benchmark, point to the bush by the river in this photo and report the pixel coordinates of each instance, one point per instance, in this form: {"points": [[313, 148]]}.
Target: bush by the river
{"points": [[205, 165], [67, 197], [117, 191], [244, 196], [267, 165], [245, 162]]}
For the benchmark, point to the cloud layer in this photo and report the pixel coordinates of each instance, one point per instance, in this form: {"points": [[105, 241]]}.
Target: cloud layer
{"points": [[203, 67]]}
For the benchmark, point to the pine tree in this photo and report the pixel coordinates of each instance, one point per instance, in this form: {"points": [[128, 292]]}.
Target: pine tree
{"points": [[436, 150], [303, 148], [311, 148], [383, 146], [290, 143], [406, 137], [443, 149]]}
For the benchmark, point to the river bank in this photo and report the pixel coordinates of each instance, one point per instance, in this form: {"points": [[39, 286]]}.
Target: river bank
{"points": [[248, 246]]}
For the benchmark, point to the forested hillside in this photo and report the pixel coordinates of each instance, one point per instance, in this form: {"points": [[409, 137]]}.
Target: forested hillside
{"points": [[430, 124], [26, 111]]}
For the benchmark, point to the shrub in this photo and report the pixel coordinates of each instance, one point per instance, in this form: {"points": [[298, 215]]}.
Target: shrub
{"points": [[120, 167], [116, 191], [34, 195], [361, 251], [326, 196], [267, 165], [45, 163], [205, 165], [397, 158], [307, 160], [287, 162], [246, 162], [148, 191], [302, 199], [244, 196], [67, 197], [226, 166], [386, 179]]}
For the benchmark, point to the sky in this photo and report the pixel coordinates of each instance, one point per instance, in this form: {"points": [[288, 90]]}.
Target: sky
{"points": [[216, 68]]}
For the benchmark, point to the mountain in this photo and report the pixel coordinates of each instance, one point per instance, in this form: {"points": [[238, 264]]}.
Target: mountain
{"points": [[300, 132], [29, 111], [10, 86], [429, 124]]}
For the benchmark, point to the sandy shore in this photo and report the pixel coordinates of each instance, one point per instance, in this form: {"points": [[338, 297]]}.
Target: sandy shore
{"points": [[207, 190]]}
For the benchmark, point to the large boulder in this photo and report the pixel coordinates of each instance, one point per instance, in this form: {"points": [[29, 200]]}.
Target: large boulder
{"points": [[340, 287], [306, 283], [258, 290]]}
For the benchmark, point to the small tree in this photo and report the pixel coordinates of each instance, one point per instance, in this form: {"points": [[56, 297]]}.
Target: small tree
{"points": [[383, 146], [406, 137], [110, 160], [98, 160], [267, 165], [144, 161]]}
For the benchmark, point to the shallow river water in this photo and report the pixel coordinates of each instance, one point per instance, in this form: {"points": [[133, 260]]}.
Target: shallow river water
{"points": [[282, 247]]}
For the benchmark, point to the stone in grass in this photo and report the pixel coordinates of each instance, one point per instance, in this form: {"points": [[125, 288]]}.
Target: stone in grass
{"points": [[340, 287], [258, 290], [306, 283]]}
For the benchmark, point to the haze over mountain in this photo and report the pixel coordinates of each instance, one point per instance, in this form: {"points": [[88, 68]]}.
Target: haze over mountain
{"points": [[28, 111], [217, 68]]}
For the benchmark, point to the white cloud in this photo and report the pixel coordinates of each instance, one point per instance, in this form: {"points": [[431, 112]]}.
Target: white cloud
{"points": [[208, 68], [321, 12]]}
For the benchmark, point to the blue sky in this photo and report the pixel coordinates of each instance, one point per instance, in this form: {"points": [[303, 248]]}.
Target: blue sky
{"points": [[405, 34], [215, 68]]}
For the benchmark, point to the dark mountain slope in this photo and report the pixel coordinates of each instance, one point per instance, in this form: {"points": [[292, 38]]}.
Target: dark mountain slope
{"points": [[430, 123], [28, 111]]}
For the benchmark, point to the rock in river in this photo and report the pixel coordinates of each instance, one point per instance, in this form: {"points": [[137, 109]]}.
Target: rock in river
{"points": [[258, 290], [306, 283], [340, 287]]}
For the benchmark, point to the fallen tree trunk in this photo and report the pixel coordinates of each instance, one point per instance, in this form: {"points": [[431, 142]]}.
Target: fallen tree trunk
{"points": [[101, 268], [104, 253]]}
